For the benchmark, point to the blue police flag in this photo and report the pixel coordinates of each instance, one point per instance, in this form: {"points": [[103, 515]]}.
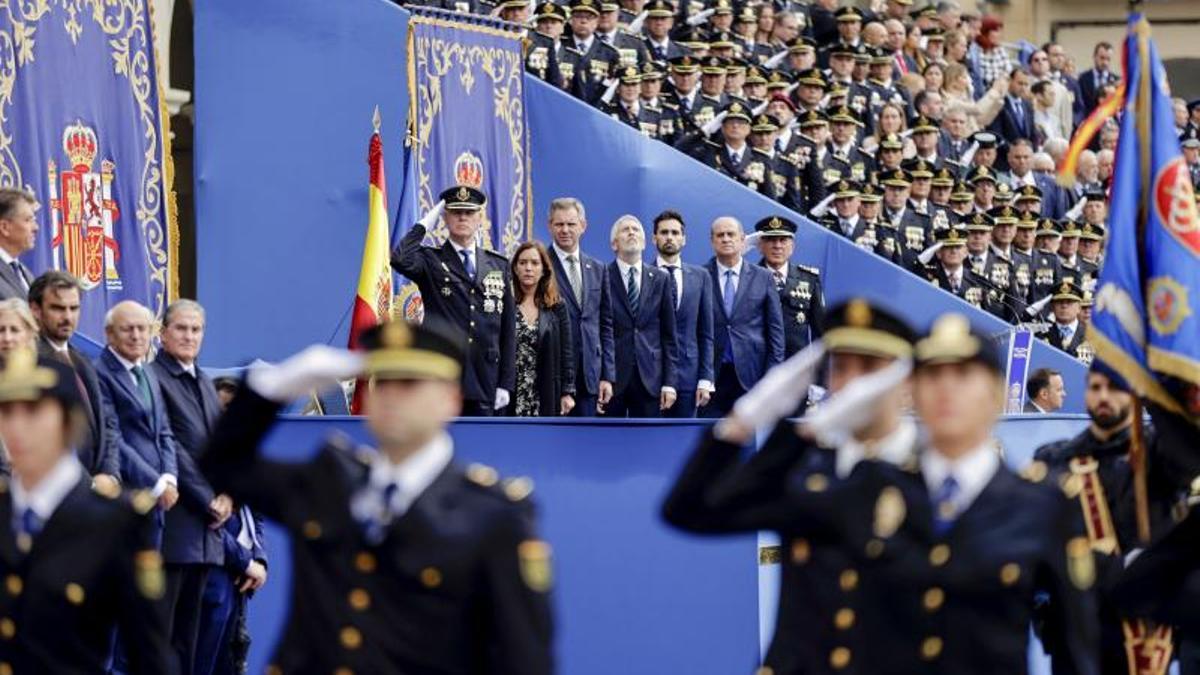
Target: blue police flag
{"points": [[1144, 324], [83, 127]]}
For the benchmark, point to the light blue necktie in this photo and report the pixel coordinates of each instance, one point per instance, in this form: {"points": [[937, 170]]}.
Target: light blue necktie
{"points": [[945, 508], [728, 293], [468, 263]]}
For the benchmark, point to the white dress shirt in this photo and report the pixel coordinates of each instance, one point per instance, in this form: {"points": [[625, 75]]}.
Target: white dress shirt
{"points": [[737, 275], [624, 268], [412, 477], [45, 497], [972, 471]]}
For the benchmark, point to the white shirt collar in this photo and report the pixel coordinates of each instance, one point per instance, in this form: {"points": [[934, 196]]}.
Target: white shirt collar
{"points": [[624, 268], [659, 262], [562, 255], [585, 45], [45, 497], [972, 471], [736, 153], [129, 365], [1074, 326], [415, 474], [1035, 404], [189, 368], [6, 257], [459, 249], [737, 271], [894, 448]]}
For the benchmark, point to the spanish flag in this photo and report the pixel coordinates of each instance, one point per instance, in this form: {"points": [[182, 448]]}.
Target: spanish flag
{"points": [[373, 302]]}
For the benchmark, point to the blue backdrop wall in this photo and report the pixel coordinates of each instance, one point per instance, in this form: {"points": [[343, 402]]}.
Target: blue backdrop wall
{"points": [[285, 91]]}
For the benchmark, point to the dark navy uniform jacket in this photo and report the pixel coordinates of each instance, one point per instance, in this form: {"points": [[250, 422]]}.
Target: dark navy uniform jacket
{"points": [[482, 308], [457, 584]]}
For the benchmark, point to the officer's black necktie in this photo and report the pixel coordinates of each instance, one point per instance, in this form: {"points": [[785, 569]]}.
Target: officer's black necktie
{"points": [[660, 54]]}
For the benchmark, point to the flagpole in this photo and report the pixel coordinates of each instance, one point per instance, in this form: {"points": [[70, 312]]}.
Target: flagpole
{"points": [[1137, 446]]}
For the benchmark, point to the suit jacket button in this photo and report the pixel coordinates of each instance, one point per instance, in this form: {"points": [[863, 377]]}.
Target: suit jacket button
{"points": [[359, 600], [364, 562], [931, 648], [839, 658], [13, 584], [74, 593], [350, 637]]}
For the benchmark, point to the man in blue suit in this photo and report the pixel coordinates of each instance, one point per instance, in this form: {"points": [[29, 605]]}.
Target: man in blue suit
{"points": [[692, 289], [147, 445], [1022, 177], [1016, 118], [645, 351], [583, 283], [1093, 80], [748, 322], [193, 543]]}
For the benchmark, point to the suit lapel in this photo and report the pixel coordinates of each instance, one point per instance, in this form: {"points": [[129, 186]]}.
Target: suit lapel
{"points": [[10, 277], [565, 280], [618, 286], [123, 378], [743, 277]]}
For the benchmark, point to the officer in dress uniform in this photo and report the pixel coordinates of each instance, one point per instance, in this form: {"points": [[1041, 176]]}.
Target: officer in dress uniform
{"points": [[913, 230], [76, 563], [1047, 269], [734, 157], [844, 159], [789, 179], [878, 235], [403, 560], [469, 288], [586, 60], [800, 294], [1066, 332], [719, 492], [542, 52], [950, 273], [1091, 244], [994, 272], [1096, 468], [626, 106], [952, 552]]}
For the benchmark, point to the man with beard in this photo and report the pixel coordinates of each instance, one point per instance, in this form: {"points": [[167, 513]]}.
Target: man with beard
{"points": [[1095, 466]]}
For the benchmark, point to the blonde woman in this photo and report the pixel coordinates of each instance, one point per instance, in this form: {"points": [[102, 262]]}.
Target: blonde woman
{"points": [[956, 89], [17, 331], [890, 121]]}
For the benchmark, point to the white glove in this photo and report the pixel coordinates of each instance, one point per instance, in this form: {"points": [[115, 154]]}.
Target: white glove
{"points": [[781, 390], [776, 59], [823, 207], [927, 255], [635, 26], [432, 217], [969, 155], [761, 108], [317, 367], [751, 242], [611, 91], [714, 124], [700, 17], [501, 399], [1076, 210], [1037, 307], [838, 417]]}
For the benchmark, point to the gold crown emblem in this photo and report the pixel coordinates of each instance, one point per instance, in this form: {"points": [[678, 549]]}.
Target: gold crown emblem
{"points": [[735, 108], [1065, 288], [463, 194], [858, 313], [775, 223], [80, 144]]}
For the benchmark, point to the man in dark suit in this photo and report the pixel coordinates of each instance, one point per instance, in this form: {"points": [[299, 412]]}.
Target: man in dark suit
{"points": [[1067, 332], [1093, 80], [193, 542], [54, 299], [1045, 391], [395, 545], [18, 234], [582, 280], [645, 350], [1016, 118], [692, 289], [77, 563], [470, 288], [748, 322], [147, 445]]}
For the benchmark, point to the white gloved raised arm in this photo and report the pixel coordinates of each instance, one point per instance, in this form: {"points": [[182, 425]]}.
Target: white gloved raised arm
{"points": [[848, 411], [781, 390], [431, 219], [317, 367], [714, 124], [700, 17]]}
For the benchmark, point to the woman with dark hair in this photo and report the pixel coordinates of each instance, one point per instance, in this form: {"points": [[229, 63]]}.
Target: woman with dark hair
{"points": [[545, 352]]}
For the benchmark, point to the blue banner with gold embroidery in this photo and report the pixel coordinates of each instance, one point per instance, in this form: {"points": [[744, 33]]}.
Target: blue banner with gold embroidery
{"points": [[1144, 324], [82, 126], [467, 123]]}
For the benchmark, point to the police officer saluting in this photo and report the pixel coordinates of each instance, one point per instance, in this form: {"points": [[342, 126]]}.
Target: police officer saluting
{"points": [[469, 288], [404, 561], [75, 564], [799, 286]]}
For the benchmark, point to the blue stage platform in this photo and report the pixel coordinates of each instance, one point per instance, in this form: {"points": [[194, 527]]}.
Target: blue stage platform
{"points": [[632, 596]]}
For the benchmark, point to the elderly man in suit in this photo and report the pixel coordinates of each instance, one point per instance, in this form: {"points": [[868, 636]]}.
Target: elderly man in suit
{"points": [[18, 233], [583, 283], [193, 541], [147, 444], [646, 354], [692, 290], [54, 299], [748, 322]]}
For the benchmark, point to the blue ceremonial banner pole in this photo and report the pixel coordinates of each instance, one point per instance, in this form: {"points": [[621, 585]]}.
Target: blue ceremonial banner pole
{"points": [[467, 78], [84, 128], [1144, 326]]}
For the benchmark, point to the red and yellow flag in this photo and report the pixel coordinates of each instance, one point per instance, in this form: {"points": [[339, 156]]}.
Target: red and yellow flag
{"points": [[373, 302], [1086, 132]]}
